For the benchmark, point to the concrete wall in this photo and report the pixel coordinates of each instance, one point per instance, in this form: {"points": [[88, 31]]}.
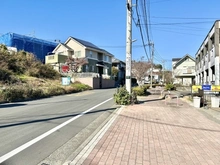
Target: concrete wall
{"points": [[95, 82]]}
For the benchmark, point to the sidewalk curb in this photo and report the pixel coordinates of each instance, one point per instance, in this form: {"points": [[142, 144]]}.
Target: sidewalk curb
{"points": [[91, 142]]}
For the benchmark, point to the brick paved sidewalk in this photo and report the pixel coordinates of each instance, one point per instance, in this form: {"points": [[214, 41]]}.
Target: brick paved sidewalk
{"points": [[158, 134]]}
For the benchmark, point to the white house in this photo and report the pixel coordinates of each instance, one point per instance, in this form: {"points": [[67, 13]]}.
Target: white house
{"points": [[183, 70]]}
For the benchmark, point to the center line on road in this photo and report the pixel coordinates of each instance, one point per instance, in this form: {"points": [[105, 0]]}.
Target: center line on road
{"points": [[28, 144]]}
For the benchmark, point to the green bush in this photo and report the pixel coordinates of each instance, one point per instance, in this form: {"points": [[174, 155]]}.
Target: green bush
{"points": [[13, 94], [5, 75], [122, 96], [78, 86], [19, 93], [32, 93], [47, 71], [55, 90], [146, 86], [37, 93], [169, 87], [43, 71], [139, 90]]}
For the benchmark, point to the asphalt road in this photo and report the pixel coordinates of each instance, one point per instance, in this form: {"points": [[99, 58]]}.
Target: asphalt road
{"points": [[49, 131]]}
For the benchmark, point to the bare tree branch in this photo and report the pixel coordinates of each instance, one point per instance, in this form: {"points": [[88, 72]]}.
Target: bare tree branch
{"points": [[75, 63], [140, 68]]}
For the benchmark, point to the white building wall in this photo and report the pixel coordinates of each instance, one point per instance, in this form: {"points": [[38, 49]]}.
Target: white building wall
{"points": [[207, 64]]}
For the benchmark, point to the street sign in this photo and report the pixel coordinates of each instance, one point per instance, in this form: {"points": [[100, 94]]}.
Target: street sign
{"points": [[206, 87], [195, 88], [66, 80], [216, 88]]}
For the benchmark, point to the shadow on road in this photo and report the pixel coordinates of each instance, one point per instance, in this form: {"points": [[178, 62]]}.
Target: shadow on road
{"points": [[54, 118], [11, 105]]}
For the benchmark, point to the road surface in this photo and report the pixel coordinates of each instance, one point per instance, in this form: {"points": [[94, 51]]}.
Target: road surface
{"points": [[49, 131]]}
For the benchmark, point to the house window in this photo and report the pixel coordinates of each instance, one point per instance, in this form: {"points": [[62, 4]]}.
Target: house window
{"points": [[189, 71], [50, 57], [93, 68], [90, 53], [72, 53], [87, 68], [105, 58], [77, 53]]}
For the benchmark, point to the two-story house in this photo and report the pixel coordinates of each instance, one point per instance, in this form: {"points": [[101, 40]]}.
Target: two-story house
{"points": [[120, 65], [183, 70], [99, 60]]}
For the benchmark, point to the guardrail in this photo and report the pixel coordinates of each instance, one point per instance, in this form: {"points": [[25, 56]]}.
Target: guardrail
{"points": [[169, 99]]}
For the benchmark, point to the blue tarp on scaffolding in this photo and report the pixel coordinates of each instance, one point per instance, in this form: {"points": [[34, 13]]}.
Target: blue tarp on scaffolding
{"points": [[40, 48]]}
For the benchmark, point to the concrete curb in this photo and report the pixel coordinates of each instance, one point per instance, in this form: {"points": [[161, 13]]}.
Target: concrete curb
{"points": [[91, 142]]}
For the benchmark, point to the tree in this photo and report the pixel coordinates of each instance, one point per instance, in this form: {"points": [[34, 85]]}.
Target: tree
{"points": [[75, 63], [3, 47], [114, 71], [158, 66], [140, 68], [168, 77]]}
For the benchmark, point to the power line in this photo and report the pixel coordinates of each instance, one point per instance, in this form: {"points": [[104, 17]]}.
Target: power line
{"points": [[161, 1], [179, 23], [111, 46], [140, 29], [179, 32], [202, 18]]}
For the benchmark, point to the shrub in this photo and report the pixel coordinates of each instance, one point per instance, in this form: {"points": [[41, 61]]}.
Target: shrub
{"points": [[80, 87], [31, 93], [70, 89], [37, 93], [18, 93], [47, 71], [139, 90], [55, 90], [43, 71], [5, 75], [122, 96], [13, 94], [146, 86], [169, 87]]}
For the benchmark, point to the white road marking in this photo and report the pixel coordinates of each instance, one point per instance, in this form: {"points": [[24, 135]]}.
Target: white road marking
{"points": [[35, 140]]}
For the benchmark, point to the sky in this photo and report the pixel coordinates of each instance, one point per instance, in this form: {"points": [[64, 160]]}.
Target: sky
{"points": [[176, 27]]}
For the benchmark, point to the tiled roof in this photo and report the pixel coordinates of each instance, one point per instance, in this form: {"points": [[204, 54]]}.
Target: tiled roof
{"points": [[90, 45], [176, 59], [69, 48], [86, 43]]}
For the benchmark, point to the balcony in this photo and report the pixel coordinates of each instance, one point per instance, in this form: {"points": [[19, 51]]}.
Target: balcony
{"points": [[100, 57]]}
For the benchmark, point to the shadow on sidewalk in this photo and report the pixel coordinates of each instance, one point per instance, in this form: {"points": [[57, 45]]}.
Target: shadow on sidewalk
{"points": [[168, 124], [150, 100]]}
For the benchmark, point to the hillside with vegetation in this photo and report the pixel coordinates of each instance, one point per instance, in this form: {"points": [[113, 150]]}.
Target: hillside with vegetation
{"points": [[23, 77]]}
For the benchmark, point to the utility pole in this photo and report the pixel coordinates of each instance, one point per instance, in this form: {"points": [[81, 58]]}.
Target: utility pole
{"points": [[152, 59], [163, 69], [128, 46]]}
